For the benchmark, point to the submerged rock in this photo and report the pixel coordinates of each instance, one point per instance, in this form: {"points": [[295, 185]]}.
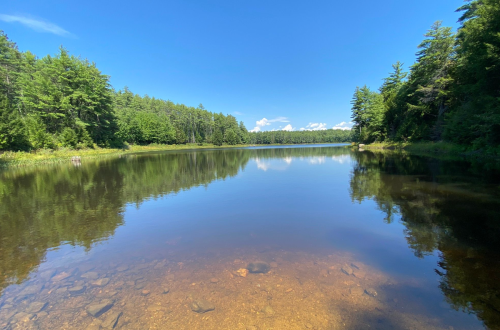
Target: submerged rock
{"points": [[31, 290], [122, 268], [47, 275], [356, 291], [76, 290], [242, 272], [202, 306], [268, 310], [97, 310], [166, 290], [36, 307], [371, 292], [347, 270], [90, 275], [101, 282], [258, 267], [111, 320]]}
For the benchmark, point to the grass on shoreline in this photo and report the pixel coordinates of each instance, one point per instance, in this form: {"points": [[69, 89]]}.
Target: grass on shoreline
{"points": [[47, 156], [10, 159], [433, 149]]}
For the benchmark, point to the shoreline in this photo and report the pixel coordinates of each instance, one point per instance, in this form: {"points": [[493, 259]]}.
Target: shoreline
{"points": [[11, 159], [432, 149]]}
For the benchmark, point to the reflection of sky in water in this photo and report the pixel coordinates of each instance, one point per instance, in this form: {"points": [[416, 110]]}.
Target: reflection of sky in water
{"points": [[291, 203], [282, 164]]}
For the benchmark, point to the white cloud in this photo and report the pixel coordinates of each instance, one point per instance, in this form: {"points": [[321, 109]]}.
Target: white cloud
{"points": [[314, 127], [238, 113], [39, 26], [343, 126], [266, 122], [288, 128]]}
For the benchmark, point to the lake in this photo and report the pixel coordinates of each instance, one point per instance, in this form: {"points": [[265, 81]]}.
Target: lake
{"points": [[294, 237]]}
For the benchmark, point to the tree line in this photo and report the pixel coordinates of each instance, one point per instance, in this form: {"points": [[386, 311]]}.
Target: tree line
{"points": [[451, 92], [64, 101], [300, 137]]}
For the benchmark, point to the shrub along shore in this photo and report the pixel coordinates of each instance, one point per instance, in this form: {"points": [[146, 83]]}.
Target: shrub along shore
{"points": [[434, 149]]}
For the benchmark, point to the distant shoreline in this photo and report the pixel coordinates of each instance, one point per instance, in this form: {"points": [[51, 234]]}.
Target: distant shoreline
{"points": [[11, 159]]}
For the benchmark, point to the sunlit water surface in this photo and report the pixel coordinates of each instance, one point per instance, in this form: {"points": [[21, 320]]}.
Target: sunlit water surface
{"points": [[350, 240]]}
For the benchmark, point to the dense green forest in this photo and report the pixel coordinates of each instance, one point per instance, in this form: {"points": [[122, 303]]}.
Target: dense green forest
{"points": [[451, 92], [64, 101], [297, 137]]}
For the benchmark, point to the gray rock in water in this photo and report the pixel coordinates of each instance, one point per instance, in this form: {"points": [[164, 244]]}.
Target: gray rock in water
{"points": [[101, 282], [140, 286], [47, 275], [347, 270], [23, 317], [258, 267], [268, 310], [61, 290], [371, 292], [111, 320], [76, 290], [30, 290], [97, 310], [90, 275], [356, 291], [166, 290], [202, 306], [36, 307]]}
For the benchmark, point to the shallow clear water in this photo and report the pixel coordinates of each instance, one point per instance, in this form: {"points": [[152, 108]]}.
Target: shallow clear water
{"points": [[352, 240]]}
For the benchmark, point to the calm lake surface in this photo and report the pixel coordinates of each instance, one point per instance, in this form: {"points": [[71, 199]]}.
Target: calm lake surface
{"points": [[336, 238]]}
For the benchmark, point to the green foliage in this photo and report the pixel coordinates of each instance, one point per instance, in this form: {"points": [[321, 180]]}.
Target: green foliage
{"points": [[37, 133], [217, 138], [299, 137], [68, 138], [368, 112], [231, 137], [452, 92], [476, 118]]}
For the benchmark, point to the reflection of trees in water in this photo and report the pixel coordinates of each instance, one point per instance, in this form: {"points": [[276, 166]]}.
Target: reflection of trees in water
{"points": [[445, 208], [44, 206]]}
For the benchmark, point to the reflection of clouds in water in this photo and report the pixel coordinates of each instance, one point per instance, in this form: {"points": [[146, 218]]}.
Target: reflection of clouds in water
{"points": [[341, 159], [275, 164], [317, 160], [283, 163]]}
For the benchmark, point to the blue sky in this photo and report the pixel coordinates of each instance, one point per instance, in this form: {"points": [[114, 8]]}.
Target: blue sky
{"points": [[272, 64]]}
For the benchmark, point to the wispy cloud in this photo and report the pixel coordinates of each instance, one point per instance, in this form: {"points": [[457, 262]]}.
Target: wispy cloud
{"points": [[37, 25], [238, 113], [314, 127], [343, 126], [266, 122]]}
